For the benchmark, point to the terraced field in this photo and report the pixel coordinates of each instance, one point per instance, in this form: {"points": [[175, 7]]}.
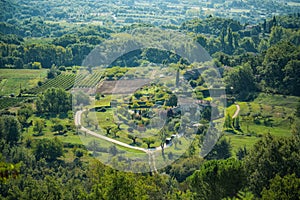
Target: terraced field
{"points": [[122, 86], [65, 81], [88, 80]]}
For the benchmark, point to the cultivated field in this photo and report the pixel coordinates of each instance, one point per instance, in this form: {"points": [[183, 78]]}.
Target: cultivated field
{"points": [[12, 80]]}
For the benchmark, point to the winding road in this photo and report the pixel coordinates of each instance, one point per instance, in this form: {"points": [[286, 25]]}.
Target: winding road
{"points": [[78, 123], [148, 151]]}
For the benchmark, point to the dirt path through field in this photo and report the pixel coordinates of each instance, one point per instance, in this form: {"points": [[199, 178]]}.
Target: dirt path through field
{"points": [[237, 111], [148, 151]]}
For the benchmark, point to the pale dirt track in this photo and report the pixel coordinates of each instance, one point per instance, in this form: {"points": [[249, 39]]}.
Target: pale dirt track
{"points": [[148, 151], [237, 111]]}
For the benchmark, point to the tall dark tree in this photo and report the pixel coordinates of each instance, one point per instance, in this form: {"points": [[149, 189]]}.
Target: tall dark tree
{"points": [[217, 179], [162, 138], [297, 113], [222, 39], [240, 81], [172, 101], [50, 149], [271, 156], [54, 101], [38, 126], [24, 114], [229, 37], [291, 79], [221, 150], [228, 122], [177, 78], [236, 123], [279, 69], [10, 129], [287, 187]]}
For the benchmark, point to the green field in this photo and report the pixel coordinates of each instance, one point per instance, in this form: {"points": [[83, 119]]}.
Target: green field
{"points": [[240, 141], [277, 100], [104, 101], [276, 112], [11, 80], [64, 81]]}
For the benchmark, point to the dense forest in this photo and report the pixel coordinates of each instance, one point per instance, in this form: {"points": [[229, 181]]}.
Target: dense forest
{"points": [[45, 155]]}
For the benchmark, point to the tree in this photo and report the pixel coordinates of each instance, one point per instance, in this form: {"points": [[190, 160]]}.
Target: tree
{"points": [[78, 153], [295, 128], [229, 37], [206, 113], [53, 72], [10, 129], [222, 39], [79, 51], [240, 81], [66, 40], [78, 127], [87, 121], [297, 113], [58, 128], [96, 124], [236, 123], [98, 96], [108, 129], [133, 138], [50, 149], [162, 137], [86, 113], [54, 101], [277, 34], [241, 153], [24, 114], [184, 167], [47, 54], [287, 187], [177, 78], [38, 126], [271, 156], [120, 185], [291, 79], [149, 141], [248, 45], [175, 141], [228, 122], [217, 179], [81, 99], [280, 67], [36, 65], [93, 145], [114, 131], [264, 26], [138, 94], [113, 150], [221, 150], [172, 101], [90, 69]]}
